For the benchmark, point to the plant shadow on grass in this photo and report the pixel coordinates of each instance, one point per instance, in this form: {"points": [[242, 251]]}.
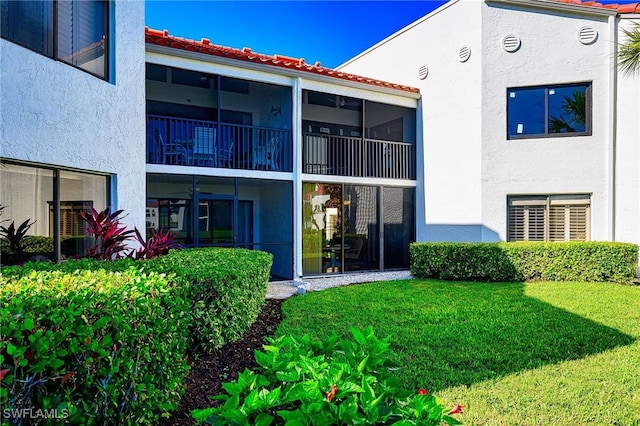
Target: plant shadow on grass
{"points": [[458, 333]]}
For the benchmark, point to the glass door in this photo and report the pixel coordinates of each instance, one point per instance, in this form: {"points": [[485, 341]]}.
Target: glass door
{"points": [[361, 242], [215, 221]]}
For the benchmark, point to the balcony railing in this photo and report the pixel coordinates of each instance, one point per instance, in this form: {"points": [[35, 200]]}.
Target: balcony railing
{"points": [[347, 156], [184, 142]]}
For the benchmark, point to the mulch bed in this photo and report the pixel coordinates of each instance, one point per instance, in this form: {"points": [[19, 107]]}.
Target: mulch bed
{"points": [[209, 372]]}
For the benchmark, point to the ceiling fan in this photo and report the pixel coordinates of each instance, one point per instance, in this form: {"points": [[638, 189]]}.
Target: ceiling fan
{"points": [[341, 101]]}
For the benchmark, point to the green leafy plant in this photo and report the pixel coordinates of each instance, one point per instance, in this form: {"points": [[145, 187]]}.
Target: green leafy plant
{"points": [[226, 286], [109, 235], [158, 244], [15, 235], [109, 347], [332, 382]]}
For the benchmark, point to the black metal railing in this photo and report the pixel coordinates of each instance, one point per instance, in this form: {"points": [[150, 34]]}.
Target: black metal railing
{"points": [[186, 142], [348, 156]]}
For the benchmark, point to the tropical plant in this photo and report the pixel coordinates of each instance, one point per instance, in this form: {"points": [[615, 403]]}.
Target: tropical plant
{"points": [[331, 382], [629, 51], [109, 236], [158, 244], [15, 235]]}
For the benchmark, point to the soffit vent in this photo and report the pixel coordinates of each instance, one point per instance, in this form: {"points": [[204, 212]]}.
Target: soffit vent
{"points": [[465, 53], [423, 72], [587, 35], [511, 43]]}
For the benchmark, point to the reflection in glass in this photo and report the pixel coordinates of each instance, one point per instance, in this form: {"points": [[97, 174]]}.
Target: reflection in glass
{"points": [[361, 228], [540, 111], [399, 226], [79, 192], [322, 228], [526, 111], [567, 109]]}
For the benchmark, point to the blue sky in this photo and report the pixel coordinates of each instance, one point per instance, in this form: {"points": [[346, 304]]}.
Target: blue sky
{"points": [[327, 31]]}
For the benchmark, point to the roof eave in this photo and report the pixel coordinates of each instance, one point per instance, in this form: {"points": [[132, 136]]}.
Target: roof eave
{"points": [[554, 5], [170, 51]]}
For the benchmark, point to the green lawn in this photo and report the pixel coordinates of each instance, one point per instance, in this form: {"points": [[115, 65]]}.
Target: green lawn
{"points": [[512, 354]]}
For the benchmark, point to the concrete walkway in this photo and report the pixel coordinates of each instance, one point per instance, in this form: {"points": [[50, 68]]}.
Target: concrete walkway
{"points": [[285, 289]]}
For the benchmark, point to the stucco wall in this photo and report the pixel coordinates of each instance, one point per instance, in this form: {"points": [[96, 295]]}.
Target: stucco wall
{"points": [[469, 165], [54, 114], [627, 225], [448, 195], [550, 53]]}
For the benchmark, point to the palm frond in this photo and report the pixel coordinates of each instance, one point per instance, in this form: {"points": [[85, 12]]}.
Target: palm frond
{"points": [[629, 51]]}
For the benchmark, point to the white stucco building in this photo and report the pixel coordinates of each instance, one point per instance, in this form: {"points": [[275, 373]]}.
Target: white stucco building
{"points": [[493, 76], [483, 121], [72, 112]]}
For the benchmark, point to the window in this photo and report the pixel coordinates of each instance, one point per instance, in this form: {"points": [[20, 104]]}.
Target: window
{"points": [[75, 32], [29, 193], [549, 111], [549, 218]]}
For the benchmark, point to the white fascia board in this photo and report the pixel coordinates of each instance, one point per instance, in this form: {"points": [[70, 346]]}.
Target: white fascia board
{"points": [[235, 63], [554, 5]]}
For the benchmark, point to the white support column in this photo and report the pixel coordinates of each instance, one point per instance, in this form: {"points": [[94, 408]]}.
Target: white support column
{"points": [[297, 178]]}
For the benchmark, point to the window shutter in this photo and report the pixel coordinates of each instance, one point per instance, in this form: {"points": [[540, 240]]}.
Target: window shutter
{"points": [[526, 220], [535, 223], [516, 223], [82, 29], [579, 223], [549, 218], [557, 223], [29, 24]]}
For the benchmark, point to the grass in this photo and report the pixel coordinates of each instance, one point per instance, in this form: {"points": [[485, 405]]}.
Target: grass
{"points": [[511, 353]]}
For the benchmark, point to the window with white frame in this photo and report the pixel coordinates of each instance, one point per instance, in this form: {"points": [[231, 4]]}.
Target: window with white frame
{"points": [[549, 111], [549, 218], [75, 32]]}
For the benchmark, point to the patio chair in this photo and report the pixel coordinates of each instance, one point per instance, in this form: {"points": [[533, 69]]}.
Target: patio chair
{"points": [[204, 142], [225, 152], [163, 153], [266, 156]]}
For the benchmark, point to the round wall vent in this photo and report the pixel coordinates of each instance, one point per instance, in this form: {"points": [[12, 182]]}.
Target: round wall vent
{"points": [[511, 43], [587, 35], [423, 72], [465, 53]]}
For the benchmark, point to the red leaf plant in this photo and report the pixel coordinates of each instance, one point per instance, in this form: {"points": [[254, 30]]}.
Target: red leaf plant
{"points": [[157, 244], [109, 235], [457, 409], [332, 393]]}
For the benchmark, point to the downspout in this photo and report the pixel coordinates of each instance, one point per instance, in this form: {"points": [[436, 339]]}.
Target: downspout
{"points": [[613, 114]]}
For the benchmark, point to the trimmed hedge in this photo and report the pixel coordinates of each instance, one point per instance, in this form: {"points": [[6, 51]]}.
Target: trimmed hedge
{"points": [[100, 347], [154, 311], [526, 261], [227, 287]]}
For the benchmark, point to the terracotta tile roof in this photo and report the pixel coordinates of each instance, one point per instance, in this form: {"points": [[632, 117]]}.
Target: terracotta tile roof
{"points": [[162, 38], [620, 8]]}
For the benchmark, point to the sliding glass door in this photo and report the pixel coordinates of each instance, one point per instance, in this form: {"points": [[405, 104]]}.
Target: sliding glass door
{"points": [[215, 221], [348, 228]]}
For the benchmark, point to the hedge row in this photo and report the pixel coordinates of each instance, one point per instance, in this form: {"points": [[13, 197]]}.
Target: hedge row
{"points": [[108, 341], [100, 347], [530, 261]]}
